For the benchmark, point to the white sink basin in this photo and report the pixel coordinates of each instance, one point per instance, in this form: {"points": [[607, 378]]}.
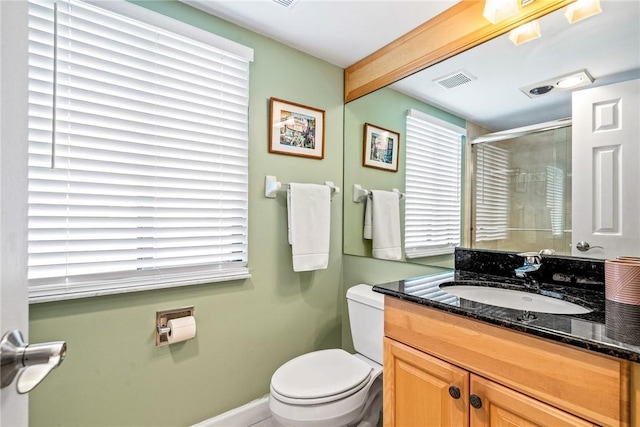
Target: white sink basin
{"points": [[517, 300]]}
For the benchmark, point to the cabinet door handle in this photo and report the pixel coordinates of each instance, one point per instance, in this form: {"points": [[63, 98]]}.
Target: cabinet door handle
{"points": [[475, 401], [454, 392]]}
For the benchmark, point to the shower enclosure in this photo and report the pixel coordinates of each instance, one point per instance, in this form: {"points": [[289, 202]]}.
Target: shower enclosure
{"points": [[521, 182]]}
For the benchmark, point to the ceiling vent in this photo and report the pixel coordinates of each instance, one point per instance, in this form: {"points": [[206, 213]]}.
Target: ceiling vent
{"points": [[454, 80], [286, 3]]}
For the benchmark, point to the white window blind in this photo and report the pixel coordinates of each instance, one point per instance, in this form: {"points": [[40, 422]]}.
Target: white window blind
{"points": [[556, 199], [432, 185], [138, 152], [492, 193]]}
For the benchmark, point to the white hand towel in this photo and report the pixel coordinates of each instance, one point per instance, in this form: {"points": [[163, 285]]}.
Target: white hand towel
{"points": [[309, 215], [367, 232], [385, 221]]}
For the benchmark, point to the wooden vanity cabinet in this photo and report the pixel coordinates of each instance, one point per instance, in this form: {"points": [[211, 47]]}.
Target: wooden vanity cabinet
{"points": [[417, 386], [431, 357], [502, 406], [426, 391]]}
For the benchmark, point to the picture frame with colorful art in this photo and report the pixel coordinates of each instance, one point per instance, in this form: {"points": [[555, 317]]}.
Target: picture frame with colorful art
{"points": [[296, 129], [380, 148]]}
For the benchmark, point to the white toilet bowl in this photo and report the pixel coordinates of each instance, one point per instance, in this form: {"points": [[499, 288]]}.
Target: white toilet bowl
{"points": [[327, 388], [332, 388]]}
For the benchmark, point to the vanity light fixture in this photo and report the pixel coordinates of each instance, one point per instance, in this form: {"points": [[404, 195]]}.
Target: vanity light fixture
{"points": [[498, 10], [525, 32], [582, 9]]}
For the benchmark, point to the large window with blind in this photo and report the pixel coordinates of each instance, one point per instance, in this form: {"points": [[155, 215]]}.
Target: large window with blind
{"points": [[138, 151], [432, 185]]}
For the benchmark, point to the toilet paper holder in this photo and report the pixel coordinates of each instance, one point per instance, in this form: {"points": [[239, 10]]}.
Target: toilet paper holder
{"points": [[162, 320]]}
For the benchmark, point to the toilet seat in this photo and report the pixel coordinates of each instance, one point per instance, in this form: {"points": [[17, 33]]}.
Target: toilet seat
{"points": [[320, 377], [342, 408]]}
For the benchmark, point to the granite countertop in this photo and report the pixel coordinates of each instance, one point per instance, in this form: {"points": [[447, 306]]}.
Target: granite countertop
{"points": [[600, 331]]}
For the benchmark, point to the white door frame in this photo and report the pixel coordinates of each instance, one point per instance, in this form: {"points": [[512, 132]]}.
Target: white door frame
{"points": [[14, 309]]}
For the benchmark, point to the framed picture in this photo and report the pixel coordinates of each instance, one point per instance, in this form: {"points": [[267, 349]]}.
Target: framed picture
{"points": [[296, 130], [380, 148]]}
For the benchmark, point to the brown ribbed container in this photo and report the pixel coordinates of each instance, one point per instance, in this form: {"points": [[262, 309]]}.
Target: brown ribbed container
{"points": [[629, 258], [622, 304], [622, 280]]}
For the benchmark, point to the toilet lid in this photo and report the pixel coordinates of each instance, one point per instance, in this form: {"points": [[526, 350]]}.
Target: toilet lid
{"points": [[320, 374]]}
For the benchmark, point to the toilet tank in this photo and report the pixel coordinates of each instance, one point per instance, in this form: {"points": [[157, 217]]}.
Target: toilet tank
{"points": [[366, 317]]}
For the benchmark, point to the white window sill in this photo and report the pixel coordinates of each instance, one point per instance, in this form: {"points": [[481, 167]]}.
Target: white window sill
{"points": [[61, 292]]}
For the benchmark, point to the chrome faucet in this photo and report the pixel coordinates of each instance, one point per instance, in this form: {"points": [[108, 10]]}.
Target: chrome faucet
{"points": [[532, 263]]}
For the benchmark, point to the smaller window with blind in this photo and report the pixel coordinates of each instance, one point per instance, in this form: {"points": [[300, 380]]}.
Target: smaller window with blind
{"points": [[138, 151], [491, 193], [432, 185]]}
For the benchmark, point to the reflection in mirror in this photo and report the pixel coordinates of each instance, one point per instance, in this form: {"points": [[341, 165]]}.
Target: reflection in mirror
{"points": [[484, 85], [385, 108], [492, 99], [429, 287], [522, 192]]}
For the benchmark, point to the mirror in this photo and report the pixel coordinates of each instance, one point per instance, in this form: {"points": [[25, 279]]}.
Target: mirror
{"points": [[606, 45], [385, 108]]}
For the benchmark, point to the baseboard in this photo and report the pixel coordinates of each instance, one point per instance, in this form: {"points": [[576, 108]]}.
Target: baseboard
{"points": [[242, 416]]}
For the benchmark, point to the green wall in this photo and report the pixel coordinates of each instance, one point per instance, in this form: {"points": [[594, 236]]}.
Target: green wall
{"points": [[115, 376]]}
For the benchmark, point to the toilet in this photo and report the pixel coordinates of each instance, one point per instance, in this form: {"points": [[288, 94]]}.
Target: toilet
{"points": [[333, 388]]}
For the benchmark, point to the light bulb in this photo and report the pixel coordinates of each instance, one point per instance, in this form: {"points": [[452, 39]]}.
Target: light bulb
{"points": [[499, 10]]}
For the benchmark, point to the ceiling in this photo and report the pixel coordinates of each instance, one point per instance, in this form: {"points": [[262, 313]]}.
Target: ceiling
{"points": [[607, 45], [342, 32]]}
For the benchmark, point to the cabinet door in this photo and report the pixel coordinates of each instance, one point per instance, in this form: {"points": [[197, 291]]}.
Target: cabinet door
{"points": [[417, 391], [502, 407]]}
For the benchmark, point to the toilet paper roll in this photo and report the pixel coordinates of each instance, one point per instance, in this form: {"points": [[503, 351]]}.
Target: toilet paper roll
{"points": [[182, 329]]}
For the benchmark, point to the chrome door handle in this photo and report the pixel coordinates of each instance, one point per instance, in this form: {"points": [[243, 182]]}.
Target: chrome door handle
{"points": [[31, 363], [583, 246]]}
